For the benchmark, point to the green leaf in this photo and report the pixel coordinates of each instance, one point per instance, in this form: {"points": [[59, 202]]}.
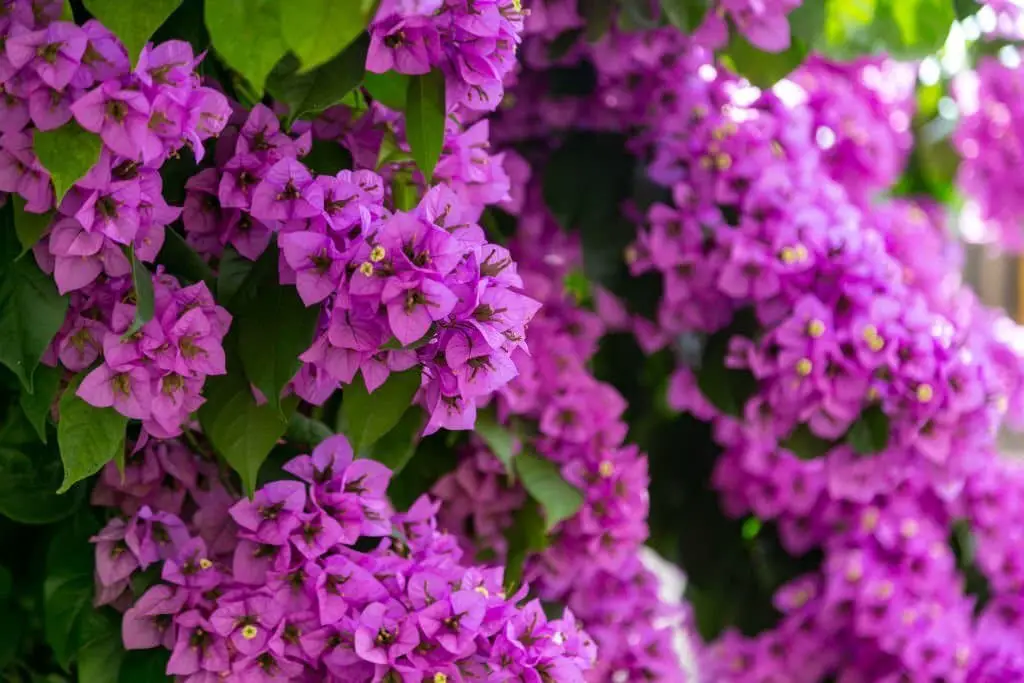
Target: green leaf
{"points": [[274, 327], [870, 433], [12, 631], [425, 114], [5, 582], [45, 382], [397, 447], [28, 481], [807, 22], [247, 35], [405, 192], [31, 310], [761, 68], [805, 444], [67, 153], [924, 25], [726, 388], [500, 440], [585, 182], [100, 653], [306, 430], [29, 226], [598, 15], [142, 282], [182, 261], [543, 481], [133, 22], [686, 15], [327, 157], [525, 536], [144, 666], [966, 8], [390, 152], [68, 586], [316, 30], [389, 88], [88, 437], [231, 273], [307, 94], [366, 417], [66, 13], [906, 29], [65, 600], [242, 431]]}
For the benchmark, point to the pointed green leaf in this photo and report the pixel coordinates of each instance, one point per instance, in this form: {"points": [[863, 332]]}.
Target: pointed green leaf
{"points": [[67, 153], [142, 282], [763, 69], [317, 30], [500, 440], [144, 666], [88, 437], [366, 417], [425, 114], [45, 383], [525, 536], [542, 479], [133, 22], [231, 273], [306, 430], [31, 310], [182, 261], [686, 15], [29, 226], [397, 447], [68, 586], [242, 431], [870, 433], [247, 35], [270, 361], [307, 94], [100, 653], [389, 88], [28, 481]]}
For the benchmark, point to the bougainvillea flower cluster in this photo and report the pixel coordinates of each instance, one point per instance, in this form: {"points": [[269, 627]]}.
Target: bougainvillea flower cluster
{"points": [[56, 72], [272, 588], [579, 426], [396, 289], [988, 139]]}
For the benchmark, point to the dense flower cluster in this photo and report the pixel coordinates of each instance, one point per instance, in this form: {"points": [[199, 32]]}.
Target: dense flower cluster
{"points": [[579, 427], [850, 320], [53, 72], [847, 317], [990, 140], [472, 42], [272, 588], [861, 119], [396, 288]]}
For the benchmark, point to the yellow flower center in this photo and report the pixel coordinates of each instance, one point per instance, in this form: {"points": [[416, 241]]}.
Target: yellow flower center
{"points": [[925, 393], [723, 162], [804, 367], [606, 469], [440, 678], [869, 520], [366, 268], [909, 528], [870, 332], [876, 344], [205, 563], [249, 632], [377, 254], [815, 328], [483, 591]]}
